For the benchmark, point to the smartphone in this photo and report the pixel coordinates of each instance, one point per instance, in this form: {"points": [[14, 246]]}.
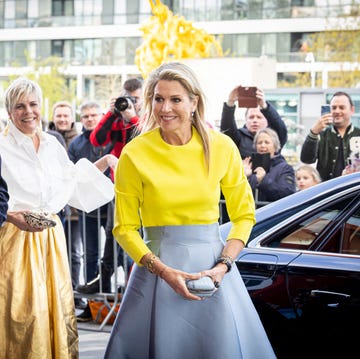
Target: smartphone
{"points": [[247, 97], [260, 160], [325, 109]]}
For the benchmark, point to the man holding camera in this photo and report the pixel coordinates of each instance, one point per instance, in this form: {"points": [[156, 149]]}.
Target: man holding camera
{"points": [[119, 124], [117, 127]]}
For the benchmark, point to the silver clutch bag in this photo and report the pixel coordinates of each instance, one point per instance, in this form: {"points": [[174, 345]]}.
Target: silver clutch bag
{"points": [[39, 220], [203, 287]]}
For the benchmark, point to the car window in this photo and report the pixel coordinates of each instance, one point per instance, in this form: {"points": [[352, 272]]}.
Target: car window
{"points": [[272, 221], [351, 240], [307, 231], [302, 233], [346, 239]]}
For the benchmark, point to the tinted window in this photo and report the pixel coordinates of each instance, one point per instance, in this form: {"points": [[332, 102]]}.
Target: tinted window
{"points": [[303, 233], [346, 239]]}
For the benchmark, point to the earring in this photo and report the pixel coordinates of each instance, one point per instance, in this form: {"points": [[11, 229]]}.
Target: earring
{"points": [[192, 114]]}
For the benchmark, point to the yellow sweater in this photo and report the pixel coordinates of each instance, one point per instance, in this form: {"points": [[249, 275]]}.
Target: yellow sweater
{"points": [[157, 184]]}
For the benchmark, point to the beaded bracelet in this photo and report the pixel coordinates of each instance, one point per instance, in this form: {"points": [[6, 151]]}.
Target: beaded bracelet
{"points": [[150, 263], [225, 259]]}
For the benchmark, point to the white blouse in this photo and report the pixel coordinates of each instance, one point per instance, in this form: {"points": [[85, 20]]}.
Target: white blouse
{"points": [[47, 180]]}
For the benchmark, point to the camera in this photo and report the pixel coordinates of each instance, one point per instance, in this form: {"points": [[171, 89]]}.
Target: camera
{"points": [[123, 102]]}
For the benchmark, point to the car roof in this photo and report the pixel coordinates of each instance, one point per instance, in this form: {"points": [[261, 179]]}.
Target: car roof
{"points": [[285, 207], [310, 195]]}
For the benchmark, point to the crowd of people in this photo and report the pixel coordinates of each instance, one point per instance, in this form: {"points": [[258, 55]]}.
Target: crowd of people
{"points": [[326, 152], [151, 173]]}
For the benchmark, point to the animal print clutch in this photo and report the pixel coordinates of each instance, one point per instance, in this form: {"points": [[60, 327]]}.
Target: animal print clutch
{"points": [[39, 220]]}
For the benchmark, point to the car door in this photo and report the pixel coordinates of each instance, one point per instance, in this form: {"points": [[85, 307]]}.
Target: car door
{"points": [[323, 281]]}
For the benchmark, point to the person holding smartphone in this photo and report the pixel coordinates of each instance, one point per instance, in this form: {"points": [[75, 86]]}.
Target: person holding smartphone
{"points": [[329, 138], [258, 117], [269, 174]]}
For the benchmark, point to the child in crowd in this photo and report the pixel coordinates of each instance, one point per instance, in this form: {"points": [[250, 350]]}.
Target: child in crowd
{"points": [[306, 176]]}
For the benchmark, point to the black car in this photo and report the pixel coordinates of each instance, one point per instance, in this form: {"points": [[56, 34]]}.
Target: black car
{"points": [[301, 267]]}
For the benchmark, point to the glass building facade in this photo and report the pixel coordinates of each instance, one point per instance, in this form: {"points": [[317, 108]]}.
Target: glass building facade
{"points": [[99, 38], [237, 21]]}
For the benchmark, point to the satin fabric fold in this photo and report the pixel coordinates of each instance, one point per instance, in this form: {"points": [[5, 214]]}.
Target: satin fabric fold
{"points": [[154, 322], [37, 315]]}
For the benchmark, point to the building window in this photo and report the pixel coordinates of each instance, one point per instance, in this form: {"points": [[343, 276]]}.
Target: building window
{"points": [[57, 48], [62, 7]]}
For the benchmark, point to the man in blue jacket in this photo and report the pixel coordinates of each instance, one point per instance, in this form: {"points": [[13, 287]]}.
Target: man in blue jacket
{"points": [[81, 147]]}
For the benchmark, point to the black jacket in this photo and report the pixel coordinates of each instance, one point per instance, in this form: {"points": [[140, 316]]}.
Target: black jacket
{"points": [[324, 149], [242, 137]]}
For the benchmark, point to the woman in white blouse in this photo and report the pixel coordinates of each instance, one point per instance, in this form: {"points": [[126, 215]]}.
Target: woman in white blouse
{"points": [[37, 319]]}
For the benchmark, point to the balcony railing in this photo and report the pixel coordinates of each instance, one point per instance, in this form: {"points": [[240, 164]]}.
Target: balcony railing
{"points": [[240, 10]]}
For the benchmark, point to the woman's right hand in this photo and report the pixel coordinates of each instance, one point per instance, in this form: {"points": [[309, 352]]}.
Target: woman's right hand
{"points": [[17, 218], [247, 166], [176, 279]]}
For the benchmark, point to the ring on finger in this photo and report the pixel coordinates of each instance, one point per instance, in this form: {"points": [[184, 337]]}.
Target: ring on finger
{"points": [[216, 284]]}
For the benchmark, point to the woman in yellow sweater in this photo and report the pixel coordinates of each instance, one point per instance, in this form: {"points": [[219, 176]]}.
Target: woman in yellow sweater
{"points": [[168, 182]]}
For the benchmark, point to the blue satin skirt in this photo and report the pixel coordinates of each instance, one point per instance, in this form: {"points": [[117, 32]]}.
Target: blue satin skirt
{"points": [[154, 322]]}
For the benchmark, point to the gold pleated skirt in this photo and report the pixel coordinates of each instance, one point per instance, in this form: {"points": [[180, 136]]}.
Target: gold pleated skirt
{"points": [[37, 314]]}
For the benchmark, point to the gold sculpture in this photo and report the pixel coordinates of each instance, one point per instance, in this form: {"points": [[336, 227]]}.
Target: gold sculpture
{"points": [[168, 37]]}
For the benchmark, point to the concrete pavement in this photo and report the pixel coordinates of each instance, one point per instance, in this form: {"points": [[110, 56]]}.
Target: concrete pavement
{"points": [[92, 341]]}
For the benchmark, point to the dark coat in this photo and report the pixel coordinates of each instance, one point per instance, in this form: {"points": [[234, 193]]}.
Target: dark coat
{"points": [[278, 182], [81, 147], [324, 149], [68, 136], [242, 137]]}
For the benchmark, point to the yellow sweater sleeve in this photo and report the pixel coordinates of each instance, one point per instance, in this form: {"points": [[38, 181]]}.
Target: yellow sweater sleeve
{"points": [[157, 184]]}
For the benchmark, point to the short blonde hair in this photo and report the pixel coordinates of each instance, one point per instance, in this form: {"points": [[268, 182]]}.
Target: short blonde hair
{"points": [[19, 88]]}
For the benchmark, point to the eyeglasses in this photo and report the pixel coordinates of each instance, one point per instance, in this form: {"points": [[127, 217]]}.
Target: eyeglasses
{"points": [[93, 115]]}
